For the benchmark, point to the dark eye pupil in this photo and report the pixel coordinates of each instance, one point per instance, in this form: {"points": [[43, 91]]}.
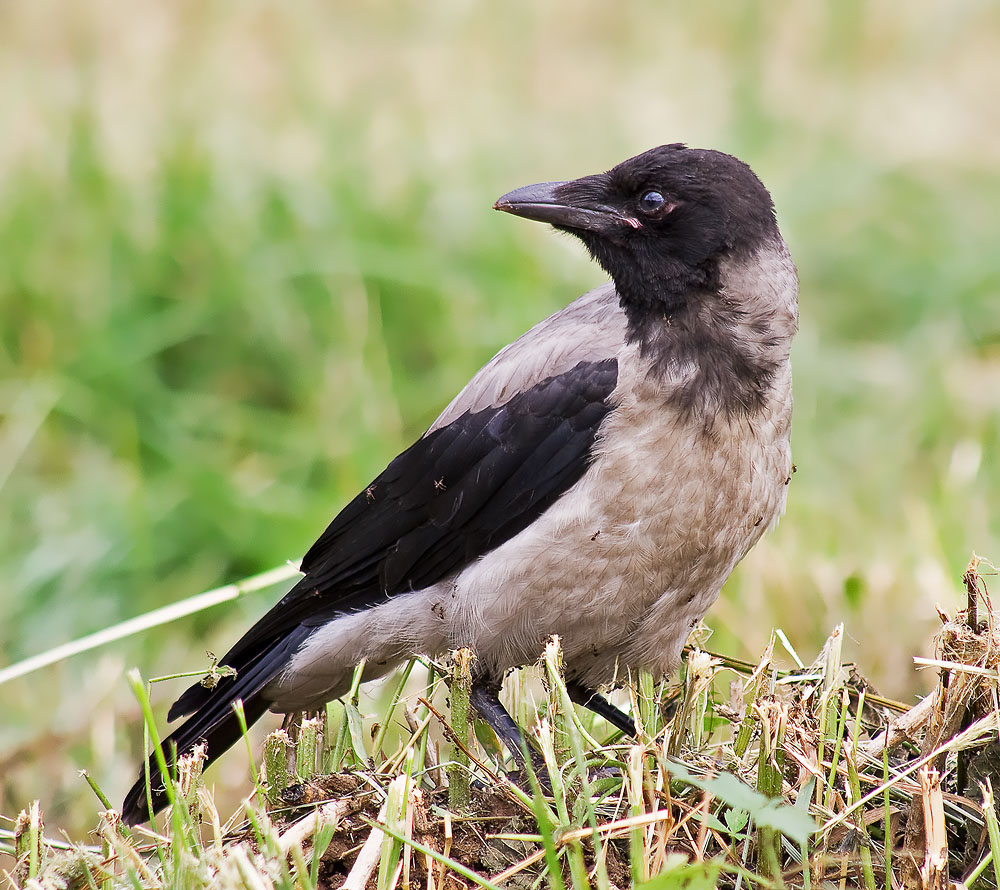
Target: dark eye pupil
{"points": [[652, 201]]}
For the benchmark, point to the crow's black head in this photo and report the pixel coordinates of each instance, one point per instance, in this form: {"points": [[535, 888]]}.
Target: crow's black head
{"points": [[658, 223]]}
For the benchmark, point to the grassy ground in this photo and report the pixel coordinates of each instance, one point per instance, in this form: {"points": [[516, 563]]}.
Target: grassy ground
{"points": [[248, 255], [741, 774]]}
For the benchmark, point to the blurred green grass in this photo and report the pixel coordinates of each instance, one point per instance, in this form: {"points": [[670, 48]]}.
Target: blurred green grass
{"points": [[248, 254]]}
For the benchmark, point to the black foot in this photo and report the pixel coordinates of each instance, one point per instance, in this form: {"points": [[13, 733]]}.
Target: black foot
{"points": [[485, 700], [521, 778], [594, 701]]}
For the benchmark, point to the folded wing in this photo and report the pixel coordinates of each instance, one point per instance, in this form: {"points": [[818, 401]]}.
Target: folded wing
{"points": [[514, 440]]}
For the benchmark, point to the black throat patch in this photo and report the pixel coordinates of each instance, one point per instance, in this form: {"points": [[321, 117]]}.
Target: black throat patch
{"points": [[725, 372]]}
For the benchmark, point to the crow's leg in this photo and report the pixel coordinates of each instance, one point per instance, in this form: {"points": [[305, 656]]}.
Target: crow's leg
{"points": [[594, 701], [486, 701]]}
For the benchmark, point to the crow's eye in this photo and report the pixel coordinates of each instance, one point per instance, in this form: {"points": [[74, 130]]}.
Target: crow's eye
{"points": [[652, 202]]}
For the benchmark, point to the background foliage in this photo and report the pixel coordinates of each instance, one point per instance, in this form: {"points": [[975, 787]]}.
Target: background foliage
{"points": [[248, 254]]}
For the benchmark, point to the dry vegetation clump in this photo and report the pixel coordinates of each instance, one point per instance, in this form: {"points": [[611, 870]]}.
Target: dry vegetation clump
{"points": [[744, 775]]}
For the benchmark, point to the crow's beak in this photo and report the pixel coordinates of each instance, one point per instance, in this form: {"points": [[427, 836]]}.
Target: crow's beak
{"points": [[555, 203]]}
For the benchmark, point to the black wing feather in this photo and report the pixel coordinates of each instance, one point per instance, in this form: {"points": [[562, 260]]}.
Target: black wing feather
{"points": [[451, 497], [455, 494]]}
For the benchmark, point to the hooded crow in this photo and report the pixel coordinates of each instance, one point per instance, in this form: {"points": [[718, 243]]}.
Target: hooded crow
{"points": [[598, 479]]}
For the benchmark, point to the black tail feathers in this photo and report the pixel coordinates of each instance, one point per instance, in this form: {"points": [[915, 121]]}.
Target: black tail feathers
{"points": [[213, 720]]}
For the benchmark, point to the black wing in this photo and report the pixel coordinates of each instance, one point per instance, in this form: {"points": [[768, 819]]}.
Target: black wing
{"points": [[451, 497], [461, 490]]}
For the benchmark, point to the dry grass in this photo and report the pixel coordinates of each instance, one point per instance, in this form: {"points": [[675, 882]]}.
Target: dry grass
{"points": [[743, 775]]}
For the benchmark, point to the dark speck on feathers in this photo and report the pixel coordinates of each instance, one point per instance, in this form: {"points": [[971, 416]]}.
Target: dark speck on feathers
{"points": [[421, 529], [414, 535]]}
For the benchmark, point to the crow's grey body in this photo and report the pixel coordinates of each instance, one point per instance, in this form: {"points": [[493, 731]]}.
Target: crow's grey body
{"points": [[630, 558], [598, 479]]}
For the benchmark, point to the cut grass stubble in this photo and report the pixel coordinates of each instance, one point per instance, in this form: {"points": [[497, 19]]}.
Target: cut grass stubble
{"points": [[795, 778]]}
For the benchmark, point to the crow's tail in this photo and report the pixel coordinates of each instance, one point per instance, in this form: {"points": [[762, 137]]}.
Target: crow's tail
{"points": [[212, 719]]}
